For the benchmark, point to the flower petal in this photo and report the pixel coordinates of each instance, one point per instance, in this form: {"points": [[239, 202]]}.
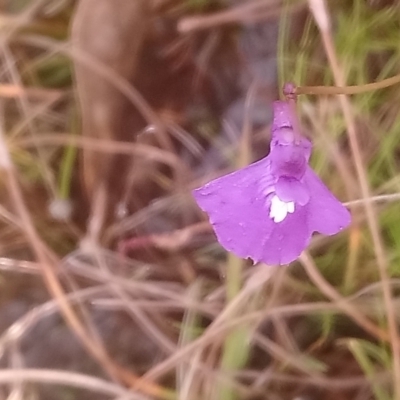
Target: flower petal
{"points": [[269, 210], [238, 206], [288, 238], [291, 190], [327, 214], [289, 160]]}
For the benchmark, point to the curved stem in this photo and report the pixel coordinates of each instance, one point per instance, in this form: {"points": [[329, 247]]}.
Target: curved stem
{"points": [[348, 90]]}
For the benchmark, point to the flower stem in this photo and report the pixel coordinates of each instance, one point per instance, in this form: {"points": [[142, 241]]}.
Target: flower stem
{"points": [[236, 345], [236, 348], [233, 277], [289, 91], [348, 90]]}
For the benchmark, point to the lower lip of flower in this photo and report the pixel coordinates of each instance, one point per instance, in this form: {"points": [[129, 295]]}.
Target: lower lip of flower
{"points": [[280, 209]]}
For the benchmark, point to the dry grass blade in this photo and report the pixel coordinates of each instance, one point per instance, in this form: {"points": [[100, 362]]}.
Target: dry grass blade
{"points": [[176, 97], [330, 292], [23, 325], [322, 18], [9, 90], [52, 377], [48, 263], [107, 146], [255, 10]]}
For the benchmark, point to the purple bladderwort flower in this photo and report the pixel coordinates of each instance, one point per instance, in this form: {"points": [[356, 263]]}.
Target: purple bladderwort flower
{"points": [[269, 210]]}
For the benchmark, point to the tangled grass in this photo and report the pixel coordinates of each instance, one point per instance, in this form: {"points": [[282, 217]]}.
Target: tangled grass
{"points": [[180, 319]]}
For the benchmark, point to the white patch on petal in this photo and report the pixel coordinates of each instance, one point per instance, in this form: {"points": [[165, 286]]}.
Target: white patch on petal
{"points": [[290, 207], [280, 209]]}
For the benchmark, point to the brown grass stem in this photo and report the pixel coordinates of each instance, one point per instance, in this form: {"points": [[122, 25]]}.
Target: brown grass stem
{"points": [[256, 10], [66, 378], [48, 263], [322, 18], [345, 306]]}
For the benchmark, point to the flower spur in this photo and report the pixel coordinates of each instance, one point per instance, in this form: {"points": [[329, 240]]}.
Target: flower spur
{"points": [[269, 210]]}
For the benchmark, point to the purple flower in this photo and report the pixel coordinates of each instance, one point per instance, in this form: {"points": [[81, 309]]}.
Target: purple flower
{"points": [[269, 210]]}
